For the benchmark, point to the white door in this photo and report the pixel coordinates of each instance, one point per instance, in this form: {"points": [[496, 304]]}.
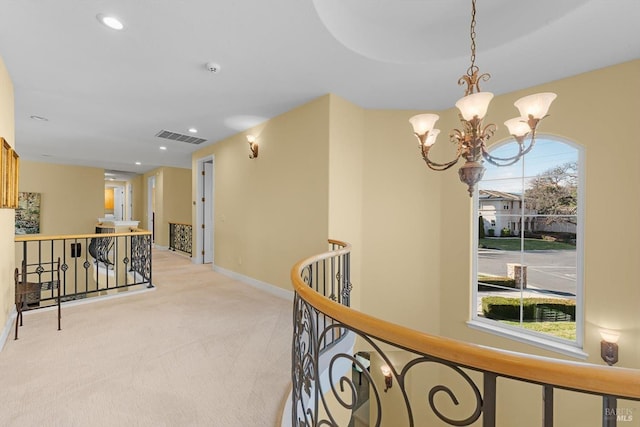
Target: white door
{"points": [[207, 212], [118, 203], [151, 198]]}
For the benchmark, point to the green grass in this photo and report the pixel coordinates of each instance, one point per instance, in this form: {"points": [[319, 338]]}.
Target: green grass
{"points": [[513, 244], [566, 330]]}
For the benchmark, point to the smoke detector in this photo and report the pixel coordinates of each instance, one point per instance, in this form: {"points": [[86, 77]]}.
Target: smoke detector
{"points": [[213, 67]]}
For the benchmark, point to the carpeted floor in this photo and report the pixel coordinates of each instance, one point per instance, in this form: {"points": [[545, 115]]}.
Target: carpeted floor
{"points": [[199, 350]]}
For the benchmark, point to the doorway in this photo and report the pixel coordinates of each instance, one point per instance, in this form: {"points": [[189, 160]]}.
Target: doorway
{"points": [[114, 202], [151, 204], [203, 229]]}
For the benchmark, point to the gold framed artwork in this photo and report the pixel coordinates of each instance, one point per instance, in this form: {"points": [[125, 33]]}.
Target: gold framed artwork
{"points": [[9, 172]]}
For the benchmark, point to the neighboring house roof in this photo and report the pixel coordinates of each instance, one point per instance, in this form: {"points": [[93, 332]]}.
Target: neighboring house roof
{"points": [[498, 195]]}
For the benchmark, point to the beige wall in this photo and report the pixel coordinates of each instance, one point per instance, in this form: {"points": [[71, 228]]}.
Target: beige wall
{"points": [[171, 200], [346, 148], [271, 211], [413, 234], [595, 110], [71, 197], [401, 226], [417, 254], [177, 190], [7, 216], [137, 186], [413, 237]]}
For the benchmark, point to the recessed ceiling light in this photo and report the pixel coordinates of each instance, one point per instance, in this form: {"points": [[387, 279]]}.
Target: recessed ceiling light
{"points": [[193, 130], [138, 163], [39, 118], [110, 21], [163, 147], [108, 174]]}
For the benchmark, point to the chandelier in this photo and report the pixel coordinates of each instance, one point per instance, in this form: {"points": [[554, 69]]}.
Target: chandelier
{"points": [[471, 139]]}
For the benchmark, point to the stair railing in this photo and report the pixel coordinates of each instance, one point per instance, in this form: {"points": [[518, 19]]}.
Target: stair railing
{"points": [[400, 351]]}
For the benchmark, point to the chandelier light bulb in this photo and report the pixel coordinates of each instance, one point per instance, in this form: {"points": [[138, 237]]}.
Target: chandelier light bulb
{"points": [[609, 336], [536, 105], [432, 137], [423, 123], [475, 104], [517, 127]]}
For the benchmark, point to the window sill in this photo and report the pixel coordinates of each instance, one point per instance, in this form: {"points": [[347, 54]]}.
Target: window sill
{"points": [[534, 340]]}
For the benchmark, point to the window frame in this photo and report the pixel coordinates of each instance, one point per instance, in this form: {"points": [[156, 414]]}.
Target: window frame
{"points": [[516, 333]]}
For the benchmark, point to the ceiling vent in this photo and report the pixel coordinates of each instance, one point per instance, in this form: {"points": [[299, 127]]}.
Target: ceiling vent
{"points": [[179, 137]]}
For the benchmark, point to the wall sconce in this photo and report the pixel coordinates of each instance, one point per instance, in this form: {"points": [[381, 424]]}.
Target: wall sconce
{"points": [[388, 379], [253, 146], [609, 346]]}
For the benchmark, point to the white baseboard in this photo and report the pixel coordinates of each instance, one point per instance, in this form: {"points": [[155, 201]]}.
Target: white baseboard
{"points": [[263, 286], [8, 327]]}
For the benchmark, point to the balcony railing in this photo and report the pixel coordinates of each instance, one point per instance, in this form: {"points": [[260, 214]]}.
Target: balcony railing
{"points": [[90, 264], [431, 380], [180, 237], [330, 278]]}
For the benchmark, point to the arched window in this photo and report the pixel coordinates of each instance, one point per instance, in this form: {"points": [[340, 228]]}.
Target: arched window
{"points": [[527, 279]]}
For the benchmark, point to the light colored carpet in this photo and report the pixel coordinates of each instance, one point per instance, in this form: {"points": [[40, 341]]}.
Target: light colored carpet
{"points": [[200, 350]]}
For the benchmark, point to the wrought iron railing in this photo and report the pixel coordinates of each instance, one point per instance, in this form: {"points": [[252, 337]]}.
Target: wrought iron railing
{"points": [[90, 264], [180, 237], [324, 393], [331, 278]]}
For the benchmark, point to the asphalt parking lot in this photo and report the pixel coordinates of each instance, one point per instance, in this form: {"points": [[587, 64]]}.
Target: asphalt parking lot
{"points": [[548, 271]]}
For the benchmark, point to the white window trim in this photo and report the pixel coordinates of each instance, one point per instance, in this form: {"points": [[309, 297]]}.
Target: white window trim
{"points": [[547, 342]]}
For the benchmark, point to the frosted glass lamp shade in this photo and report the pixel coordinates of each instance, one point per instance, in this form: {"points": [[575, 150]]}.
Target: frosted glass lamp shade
{"points": [[475, 104], [517, 127], [536, 105], [609, 336], [423, 123], [432, 137]]}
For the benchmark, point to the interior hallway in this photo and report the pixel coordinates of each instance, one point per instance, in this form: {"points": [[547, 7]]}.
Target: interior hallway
{"points": [[199, 350]]}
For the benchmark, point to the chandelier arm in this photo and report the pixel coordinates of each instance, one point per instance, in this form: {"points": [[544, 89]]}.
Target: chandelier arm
{"points": [[439, 166], [494, 160], [532, 141], [511, 160]]}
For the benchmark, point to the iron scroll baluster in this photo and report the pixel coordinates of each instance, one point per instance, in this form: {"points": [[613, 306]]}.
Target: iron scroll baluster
{"points": [[325, 393]]}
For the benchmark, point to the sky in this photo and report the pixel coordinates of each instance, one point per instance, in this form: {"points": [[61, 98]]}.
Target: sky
{"points": [[546, 153]]}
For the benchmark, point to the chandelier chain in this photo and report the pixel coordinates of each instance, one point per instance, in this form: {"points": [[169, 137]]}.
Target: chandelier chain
{"points": [[473, 68]]}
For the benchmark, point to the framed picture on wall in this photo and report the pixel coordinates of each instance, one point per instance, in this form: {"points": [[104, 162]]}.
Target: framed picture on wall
{"points": [[14, 173], [28, 213], [5, 149], [9, 169]]}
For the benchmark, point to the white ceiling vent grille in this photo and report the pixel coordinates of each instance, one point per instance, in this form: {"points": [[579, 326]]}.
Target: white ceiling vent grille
{"points": [[174, 136]]}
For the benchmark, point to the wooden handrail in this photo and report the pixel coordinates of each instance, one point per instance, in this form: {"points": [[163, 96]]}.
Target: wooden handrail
{"points": [[577, 376], [36, 237]]}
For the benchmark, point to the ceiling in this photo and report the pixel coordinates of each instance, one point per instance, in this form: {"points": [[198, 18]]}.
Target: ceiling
{"points": [[106, 93]]}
